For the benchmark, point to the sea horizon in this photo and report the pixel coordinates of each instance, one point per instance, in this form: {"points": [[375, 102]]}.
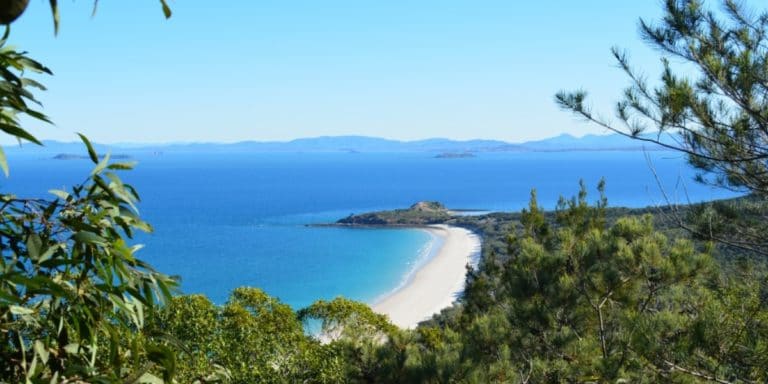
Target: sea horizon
{"points": [[609, 141]]}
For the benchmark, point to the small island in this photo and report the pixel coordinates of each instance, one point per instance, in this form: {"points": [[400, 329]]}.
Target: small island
{"points": [[72, 156], [455, 155]]}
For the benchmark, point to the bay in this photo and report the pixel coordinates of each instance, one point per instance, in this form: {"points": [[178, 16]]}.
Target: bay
{"points": [[224, 220]]}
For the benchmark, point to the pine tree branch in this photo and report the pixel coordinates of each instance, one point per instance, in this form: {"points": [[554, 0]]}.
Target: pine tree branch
{"points": [[674, 367]]}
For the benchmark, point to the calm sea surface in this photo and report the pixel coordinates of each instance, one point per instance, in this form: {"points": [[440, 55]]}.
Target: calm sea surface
{"points": [[228, 220]]}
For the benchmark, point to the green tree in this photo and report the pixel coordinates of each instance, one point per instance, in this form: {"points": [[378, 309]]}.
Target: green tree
{"points": [[718, 105], [254, 338], [579, 294], [191, 326], [711, 102], [73, 294], [359, 334], [582, 297]]}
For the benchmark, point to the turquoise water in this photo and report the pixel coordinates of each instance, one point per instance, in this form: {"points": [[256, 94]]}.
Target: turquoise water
{"points": [[228, 220]]}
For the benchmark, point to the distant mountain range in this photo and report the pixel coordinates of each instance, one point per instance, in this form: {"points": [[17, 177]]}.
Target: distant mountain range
{"points": [[363, 144]]}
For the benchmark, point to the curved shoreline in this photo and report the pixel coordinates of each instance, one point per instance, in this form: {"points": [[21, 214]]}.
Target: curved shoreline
{"points": [[437, 283]]}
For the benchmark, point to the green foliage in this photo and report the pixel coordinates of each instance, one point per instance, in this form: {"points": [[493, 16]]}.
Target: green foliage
{"points": [[713, 108], [260, 323], [721, 113], [347, 320], [253, 338], [359, 334], [736, 226], [190, 325], [15, 89], [717, 109], [584, 297], [575, 304], [73, 294]]}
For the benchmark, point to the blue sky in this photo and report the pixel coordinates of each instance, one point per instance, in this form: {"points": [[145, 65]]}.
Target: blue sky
{"points": [[227, 71]]}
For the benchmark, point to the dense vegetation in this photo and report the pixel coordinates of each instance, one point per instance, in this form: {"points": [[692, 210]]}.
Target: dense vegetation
{"points": [[591, 293], [580, 294]]}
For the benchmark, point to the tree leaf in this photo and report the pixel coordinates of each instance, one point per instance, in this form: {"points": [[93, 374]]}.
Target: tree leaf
{"points": [[101, 165], [17, 310], [88, 238], [124, 166], [91, 152], [5, 35], [41, 351], [34, 245], [4, 163], [16, 131], [32, 83], [48, 253], [56, 16], [34, 65], [59, 193], [166, 9]]}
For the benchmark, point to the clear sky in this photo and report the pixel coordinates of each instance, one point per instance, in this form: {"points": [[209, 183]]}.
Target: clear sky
{"points": [[222, 71]]}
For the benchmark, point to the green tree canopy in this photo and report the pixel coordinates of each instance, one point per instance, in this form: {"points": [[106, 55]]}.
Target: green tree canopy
{"points": [[711, 103], [715, 106], [584, 298]]}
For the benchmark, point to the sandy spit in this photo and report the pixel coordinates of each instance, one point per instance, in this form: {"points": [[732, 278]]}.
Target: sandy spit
{"points": [[437, 284]]}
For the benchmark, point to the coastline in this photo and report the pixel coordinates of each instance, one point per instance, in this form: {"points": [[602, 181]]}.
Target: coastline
{"points": [[437, 283]]}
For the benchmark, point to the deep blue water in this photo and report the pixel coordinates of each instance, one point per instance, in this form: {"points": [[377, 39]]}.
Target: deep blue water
{"points": [[227, 220]]}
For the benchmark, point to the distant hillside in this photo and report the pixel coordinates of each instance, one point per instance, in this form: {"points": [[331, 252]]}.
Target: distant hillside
{"points": [[361, 144], [349, 144], [566, 142]]}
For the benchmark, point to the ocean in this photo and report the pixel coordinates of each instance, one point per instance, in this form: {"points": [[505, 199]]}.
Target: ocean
{"points": [[228, 220]]}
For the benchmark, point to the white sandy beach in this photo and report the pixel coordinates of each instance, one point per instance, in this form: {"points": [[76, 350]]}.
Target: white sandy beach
{"points": [[437, 283]]}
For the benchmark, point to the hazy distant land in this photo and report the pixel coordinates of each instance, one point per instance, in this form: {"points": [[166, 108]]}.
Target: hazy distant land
{"points": [[73, 156], [455, 155], [441, 148]]}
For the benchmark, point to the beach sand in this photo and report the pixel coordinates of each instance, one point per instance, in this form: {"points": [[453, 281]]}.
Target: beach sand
{"points": [[435, 285]]}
